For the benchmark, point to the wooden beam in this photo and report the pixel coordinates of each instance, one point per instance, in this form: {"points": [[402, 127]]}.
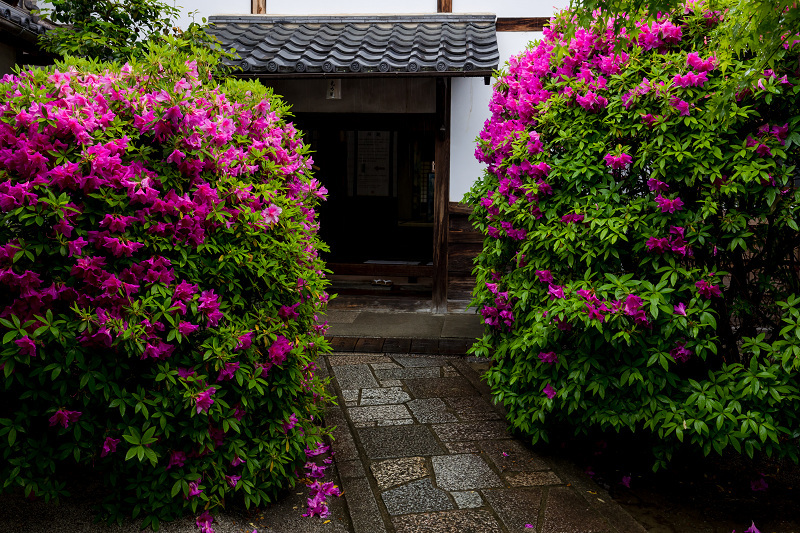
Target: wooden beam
{"points": [[522, 23], [258, 7], [441, 197], [444, 6]]}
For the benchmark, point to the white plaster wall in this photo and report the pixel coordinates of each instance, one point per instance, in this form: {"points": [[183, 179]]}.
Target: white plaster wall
{"points": [[206, 8], [511, 8], [470, 109], [326, 7]]}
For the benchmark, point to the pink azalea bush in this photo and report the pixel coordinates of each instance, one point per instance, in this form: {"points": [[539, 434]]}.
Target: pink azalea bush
{"points": [[155, 227], [640, 267]]}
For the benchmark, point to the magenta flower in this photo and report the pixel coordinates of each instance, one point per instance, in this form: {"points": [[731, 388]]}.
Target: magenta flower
{"points": [[244, 341], [290, 424], [548, 357], [759, 485], [555, 291], [279, 350], [572, 217], [75, 247], [204, 521], [618, 161], [763, 150], [228, 371], [26, 346], [545, 276], [549, 391], [109, 446], [680, 309], [659, 245], [752, 528], [271, 214], [233, 480], [177, 459], [707, 290], [236, 461], [669, 206], [185, 372], [681, 353], [203, 400], [656, 185], [185, 328], [64, 417], [681, 106]]}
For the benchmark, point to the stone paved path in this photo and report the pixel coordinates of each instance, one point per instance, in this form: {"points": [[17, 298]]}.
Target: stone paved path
{"points": [[420, 448]]}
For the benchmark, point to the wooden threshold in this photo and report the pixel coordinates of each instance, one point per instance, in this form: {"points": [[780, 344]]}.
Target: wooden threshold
{"points": [[371, 269]]}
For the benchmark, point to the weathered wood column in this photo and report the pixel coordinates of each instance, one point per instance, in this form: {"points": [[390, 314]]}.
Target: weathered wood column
{"points": [[441, 196]]}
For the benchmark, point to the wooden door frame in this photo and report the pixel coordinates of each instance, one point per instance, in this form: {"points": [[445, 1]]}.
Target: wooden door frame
{"points": [[441, 198]]}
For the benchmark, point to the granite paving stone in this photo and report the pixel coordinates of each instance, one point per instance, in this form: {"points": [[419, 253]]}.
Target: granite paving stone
{"points": [[517, 457], [343, 443], [468, 499], [532, 479], [463, 472], [416, 497], [384, 365], [348, 469], [383, 396], [567, 512], [391, 383], [364, 510], [471, 408], [458, 521], [411, 361], [398, 441], [431, 410], [392, 472], [408, 373], [516, 507], [355, 377], [377, 413], [350, 395], [440, 388], [340, 360], [396, 422], [472, 431], [462, 447]]}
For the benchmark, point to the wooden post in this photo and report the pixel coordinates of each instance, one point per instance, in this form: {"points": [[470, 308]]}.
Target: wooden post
{"points": [[444, 6], [441, 196], [258, 7]]}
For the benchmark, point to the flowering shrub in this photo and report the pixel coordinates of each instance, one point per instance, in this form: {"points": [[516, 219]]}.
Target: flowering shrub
{"points": [[159, 284], [640, 266]]}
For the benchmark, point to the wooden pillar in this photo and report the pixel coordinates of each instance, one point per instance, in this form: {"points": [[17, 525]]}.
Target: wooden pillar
{"points": [[258, 7], [441, 196], [444, 6]]}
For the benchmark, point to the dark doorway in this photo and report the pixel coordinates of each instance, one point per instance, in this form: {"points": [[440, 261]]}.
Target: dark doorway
{"points": [[378, 169]]}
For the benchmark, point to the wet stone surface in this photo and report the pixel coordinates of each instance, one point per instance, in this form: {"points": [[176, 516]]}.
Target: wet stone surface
{"points": [[383, 396], [471, 431], [420, 449], [408, 373], [440, 388], [398, 441], [469, 499], [463, 472], [459, 521], [393, 472], [354, 377], [429, 410], [416, 497]]}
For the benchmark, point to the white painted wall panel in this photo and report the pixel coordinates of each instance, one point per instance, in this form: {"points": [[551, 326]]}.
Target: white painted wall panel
{"points": [[470, 110], [511, 8], [206, 8], [327, 7]]}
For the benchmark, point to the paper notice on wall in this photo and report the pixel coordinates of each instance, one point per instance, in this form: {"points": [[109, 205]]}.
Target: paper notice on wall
{"points": [[373, 168]]}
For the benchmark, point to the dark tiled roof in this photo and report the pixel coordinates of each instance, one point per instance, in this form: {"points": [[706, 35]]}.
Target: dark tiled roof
{"points": [[25, 24], [332, 45]]}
